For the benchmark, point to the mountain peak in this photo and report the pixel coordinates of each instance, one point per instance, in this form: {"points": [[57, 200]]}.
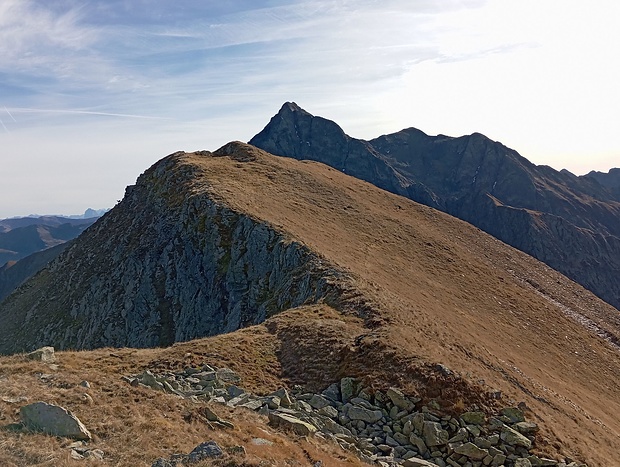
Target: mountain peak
{"points": [[461, 175], [291, 107]]}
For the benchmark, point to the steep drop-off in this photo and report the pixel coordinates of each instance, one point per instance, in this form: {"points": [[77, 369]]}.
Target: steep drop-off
{"points": [[571, 223]]}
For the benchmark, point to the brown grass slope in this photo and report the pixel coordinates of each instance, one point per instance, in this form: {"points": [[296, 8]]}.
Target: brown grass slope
{"points": [[443, 292]]}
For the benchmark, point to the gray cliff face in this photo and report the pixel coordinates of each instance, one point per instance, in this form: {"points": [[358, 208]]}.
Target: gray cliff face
{"points": [[164, 265], [571, 223]]}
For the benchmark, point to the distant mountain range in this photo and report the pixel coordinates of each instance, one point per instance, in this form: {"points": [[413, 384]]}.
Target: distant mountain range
{"points": [[27, 244], [20, 237], [571, 223]]}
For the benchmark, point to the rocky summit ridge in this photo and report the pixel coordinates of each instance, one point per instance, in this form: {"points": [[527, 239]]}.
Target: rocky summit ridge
{"points": [[571, 223], [328, 277]]}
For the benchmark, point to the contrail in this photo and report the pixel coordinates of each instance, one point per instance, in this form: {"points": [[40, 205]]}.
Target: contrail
{"points": [[7, 111], [86, 112], [4, 126]]}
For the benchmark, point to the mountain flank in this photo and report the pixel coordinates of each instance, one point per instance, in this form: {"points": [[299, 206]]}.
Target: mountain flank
{"points": [[15, 273], [335, 278], [571, 223], [610, 180]]}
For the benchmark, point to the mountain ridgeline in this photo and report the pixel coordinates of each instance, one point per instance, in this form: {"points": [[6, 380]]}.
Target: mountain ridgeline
{"points": [[169, 263], [346, 279], [571, 223]]}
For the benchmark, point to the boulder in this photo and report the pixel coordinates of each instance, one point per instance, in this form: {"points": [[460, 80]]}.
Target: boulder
{"points": [[526, 428], [366, 415], [318, 401], [434, 434], [474, 418], [347, 388], [332, 392], [400, 400], [226, 375], [44, 354], [514, 438], [472, 451], [208, 450], [514, 414], [53, 420]]}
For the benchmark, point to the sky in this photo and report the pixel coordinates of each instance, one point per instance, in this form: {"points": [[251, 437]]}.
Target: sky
{"points": [[93, 92]]}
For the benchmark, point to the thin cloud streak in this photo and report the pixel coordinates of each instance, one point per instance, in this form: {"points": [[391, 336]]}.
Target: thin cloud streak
{"points": [[7, 111], [85, 112]]}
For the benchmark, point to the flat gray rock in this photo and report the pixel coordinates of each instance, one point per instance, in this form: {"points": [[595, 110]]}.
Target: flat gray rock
{"points": [[53, 420]]}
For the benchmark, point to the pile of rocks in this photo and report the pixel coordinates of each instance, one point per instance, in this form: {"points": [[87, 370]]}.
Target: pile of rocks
{"points": [[385, 427]]}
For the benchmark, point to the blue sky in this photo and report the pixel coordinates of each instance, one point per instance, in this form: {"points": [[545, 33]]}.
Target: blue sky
{"points": [[93, 92]]}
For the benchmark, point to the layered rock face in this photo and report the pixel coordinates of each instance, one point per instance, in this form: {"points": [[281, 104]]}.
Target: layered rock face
{"points": [[167, 264], [571, 223]]}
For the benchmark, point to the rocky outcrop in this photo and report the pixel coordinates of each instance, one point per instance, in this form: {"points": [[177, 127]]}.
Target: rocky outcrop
{"points": [[571, 223], [169, 263], [383, 427]]}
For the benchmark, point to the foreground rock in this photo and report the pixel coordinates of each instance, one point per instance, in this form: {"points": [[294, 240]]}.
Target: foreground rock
{"points": [[53, 420]]}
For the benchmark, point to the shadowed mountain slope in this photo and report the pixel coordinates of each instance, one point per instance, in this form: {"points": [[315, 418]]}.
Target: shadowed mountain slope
{"points": [[13, 274], [206, 243], [610, 180], [23, 236], [571, 223]]}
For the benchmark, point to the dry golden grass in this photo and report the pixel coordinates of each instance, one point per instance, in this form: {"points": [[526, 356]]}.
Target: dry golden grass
{"points": [[134, 426]]}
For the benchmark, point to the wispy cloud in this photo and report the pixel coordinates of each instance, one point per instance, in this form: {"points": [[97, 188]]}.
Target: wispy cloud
{"points": [[80, 112], [10, 115], [198, 73]]}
